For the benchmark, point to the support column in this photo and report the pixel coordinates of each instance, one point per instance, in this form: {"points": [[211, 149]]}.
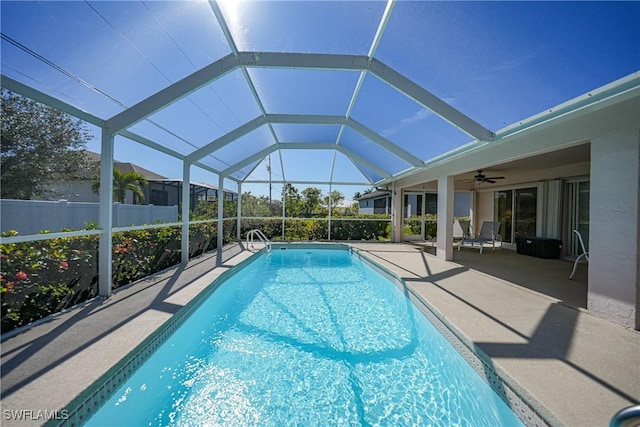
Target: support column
{"points": [[105, 257], [614, 228], [393, 212], [472, 212], [329, 224], [239, 214], [284, 208], [186, 203], [444, 248], [220, 216], [397, 215]]}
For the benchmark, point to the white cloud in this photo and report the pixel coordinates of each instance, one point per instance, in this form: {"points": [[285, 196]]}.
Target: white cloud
{"points": [[418, 116]]}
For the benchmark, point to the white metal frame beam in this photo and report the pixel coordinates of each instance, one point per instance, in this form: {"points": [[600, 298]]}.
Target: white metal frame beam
{"points": [[282, 181], [226, 139], [430, 101], [384, 143], [229, 63], [372, 50], [353, 157], [306, 119], [357, 159], [249, 160], [36, 95]]}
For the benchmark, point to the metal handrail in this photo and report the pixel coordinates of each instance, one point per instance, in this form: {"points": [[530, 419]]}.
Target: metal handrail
{"points": [[626, 417], [257, 232]]}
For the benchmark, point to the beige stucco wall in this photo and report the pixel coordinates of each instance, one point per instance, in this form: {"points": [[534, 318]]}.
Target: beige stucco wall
{"points": [[613, 227], [484, 209]]}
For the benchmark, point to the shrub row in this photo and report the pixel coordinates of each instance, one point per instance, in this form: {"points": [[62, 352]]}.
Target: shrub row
{"points": [[43, 277], [46, 276], [318, 229]]}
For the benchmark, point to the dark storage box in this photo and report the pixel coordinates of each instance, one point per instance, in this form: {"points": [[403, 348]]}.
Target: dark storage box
{"points": [[540, 247]]}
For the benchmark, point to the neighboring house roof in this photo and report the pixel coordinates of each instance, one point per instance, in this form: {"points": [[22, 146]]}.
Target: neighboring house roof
{"points": [[131, 167], [345, 204], [374, 195], [178, 181], [146, 173], [128, 167]]}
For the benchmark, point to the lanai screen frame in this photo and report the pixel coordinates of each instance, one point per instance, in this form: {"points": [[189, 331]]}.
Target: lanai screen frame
{"points": [[120, 123]]}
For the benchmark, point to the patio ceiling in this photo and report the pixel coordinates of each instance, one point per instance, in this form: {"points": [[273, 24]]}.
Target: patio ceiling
{"points": [[364, 91]]}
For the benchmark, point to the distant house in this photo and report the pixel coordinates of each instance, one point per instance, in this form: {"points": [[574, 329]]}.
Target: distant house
{"points": [[168, 192], [376, 202], [159, 190], [379, 202]]}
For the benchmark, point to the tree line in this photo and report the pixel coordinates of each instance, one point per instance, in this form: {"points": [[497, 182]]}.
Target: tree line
{"points": [[307, 203]]}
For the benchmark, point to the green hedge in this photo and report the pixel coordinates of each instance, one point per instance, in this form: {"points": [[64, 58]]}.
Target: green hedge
{"points": [[46, 276], [43, 277], [360, 227]]}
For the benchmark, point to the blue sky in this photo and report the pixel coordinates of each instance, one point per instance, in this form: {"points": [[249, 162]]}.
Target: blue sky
{"points": [[497, 62]]}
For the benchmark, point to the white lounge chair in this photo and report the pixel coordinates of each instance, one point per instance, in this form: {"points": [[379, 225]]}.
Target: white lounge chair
{"points": [[489, 233], [584, 254]]}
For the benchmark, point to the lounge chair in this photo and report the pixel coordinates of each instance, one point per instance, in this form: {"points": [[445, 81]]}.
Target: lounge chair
{"points": [[488, 234], [461, 229], [584, 254]]}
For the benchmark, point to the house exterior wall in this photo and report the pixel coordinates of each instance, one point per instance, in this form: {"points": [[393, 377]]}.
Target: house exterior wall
{"points": [[614, 228], [73, 191], [462, 205], [365, 207], [375, 205], [611, 125], [484, 210]]}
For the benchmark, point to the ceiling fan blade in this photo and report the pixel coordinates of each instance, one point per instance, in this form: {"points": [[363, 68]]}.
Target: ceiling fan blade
{"points": [[490, 181], [494, 177]]}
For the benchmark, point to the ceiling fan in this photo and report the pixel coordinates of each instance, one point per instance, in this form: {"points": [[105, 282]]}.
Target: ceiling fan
{"points": [[480, 178]]}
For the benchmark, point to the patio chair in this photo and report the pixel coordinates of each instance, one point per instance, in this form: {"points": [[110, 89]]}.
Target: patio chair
{"points": [[584, 254], [461, 229], [488, 234]]}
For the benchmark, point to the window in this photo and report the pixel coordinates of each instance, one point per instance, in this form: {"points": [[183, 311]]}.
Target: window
{"points": [[159, 198]]}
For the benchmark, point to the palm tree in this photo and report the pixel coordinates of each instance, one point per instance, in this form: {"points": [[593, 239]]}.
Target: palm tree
{"points": [[123, 181]]}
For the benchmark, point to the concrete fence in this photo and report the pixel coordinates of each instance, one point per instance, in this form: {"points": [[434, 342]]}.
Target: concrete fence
{"points": [[31, 216]]}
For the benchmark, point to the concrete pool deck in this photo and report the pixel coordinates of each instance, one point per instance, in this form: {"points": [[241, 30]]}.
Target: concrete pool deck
{"points": [[521, 311]]}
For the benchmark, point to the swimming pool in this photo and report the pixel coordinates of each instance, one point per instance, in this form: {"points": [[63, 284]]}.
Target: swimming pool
{"points": [[305, 337]]}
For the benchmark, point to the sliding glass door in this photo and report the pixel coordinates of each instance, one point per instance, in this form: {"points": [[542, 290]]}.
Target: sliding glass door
{"points": [[420, 212], [413, 225], [525, 204], [503, 211], [578, 215], [516, 211]]}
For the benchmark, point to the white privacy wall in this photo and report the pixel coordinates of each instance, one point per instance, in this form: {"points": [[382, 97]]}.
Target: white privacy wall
{"points": [[32, 216]]}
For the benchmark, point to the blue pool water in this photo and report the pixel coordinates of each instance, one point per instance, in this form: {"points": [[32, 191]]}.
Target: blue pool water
{"points": [[306, 337]]}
